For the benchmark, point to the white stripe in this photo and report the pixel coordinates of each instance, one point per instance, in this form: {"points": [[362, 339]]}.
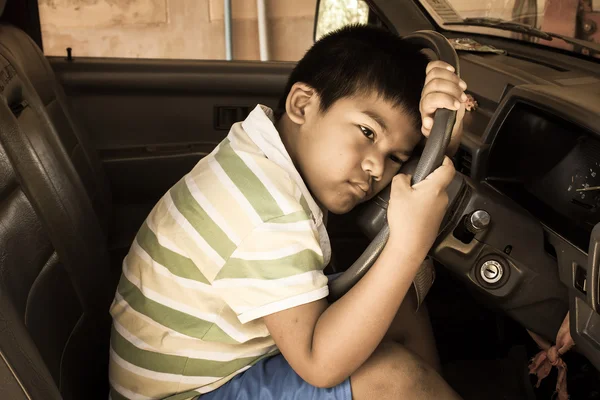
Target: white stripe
{"points": [[164, 241], [192, 232], [263, 133], [288, 303], [299, 226], [234, 191], [164, 271], [192, 380], [310, 277], [221, 382], [211, 210], [229, 329], [297, 193], [161, 376], [197, 354], [120, 301], [274, 254], [126, 392], [279, 198], [255, 348]]}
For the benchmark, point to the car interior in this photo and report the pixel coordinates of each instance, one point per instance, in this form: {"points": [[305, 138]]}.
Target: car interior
{"points": [[89, 145]]}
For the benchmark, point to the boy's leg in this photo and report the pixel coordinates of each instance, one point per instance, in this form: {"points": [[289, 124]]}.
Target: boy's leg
{"points": [[413, 330], [393, 372]]}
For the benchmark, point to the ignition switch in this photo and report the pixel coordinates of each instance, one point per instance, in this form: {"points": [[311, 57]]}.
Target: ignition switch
{"points": [[491, 271]]}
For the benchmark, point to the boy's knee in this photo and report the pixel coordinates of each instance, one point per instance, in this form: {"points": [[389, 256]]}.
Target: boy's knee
{"points": [[407, 372], [393, 372]]}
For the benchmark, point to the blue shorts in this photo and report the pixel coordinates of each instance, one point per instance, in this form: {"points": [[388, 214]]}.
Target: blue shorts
{"points": [[273, 379]]}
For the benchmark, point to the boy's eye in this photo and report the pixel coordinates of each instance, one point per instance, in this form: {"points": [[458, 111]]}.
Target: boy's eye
{"points": [[367, 132], [395, 159]]}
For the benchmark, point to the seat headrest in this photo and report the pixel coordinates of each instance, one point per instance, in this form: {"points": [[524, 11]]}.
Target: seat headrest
{"points": [[2, 6]]}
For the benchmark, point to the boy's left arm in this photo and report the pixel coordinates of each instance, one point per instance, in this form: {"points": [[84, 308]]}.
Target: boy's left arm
{"points": [[443, 89]]}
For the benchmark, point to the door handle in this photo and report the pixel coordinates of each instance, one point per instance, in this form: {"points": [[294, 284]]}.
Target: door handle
{"points": [[225, 116]]}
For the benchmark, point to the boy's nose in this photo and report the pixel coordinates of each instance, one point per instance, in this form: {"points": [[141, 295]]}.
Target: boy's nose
{"points": [[374, 165]]}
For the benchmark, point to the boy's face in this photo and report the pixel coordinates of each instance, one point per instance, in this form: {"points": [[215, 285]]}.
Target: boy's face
{"points": [[353, 150]]}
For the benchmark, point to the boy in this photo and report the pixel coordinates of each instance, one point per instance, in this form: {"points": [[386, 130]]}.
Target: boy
{"points": [[223, 293]]}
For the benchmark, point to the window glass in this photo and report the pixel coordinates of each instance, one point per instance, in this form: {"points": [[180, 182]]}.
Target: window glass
{"points": [[174, 29], [335, 14]]}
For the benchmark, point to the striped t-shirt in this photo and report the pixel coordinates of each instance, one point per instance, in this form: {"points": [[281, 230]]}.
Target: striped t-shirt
{"points": [[239, 237]]}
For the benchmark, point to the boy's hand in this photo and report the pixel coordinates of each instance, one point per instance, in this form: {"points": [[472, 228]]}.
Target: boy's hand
{"points": [[415, 213], [443, 89], [322, 344]]}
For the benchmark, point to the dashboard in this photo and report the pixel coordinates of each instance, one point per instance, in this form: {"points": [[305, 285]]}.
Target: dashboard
{"points": [[530, 160], [551, 167]]}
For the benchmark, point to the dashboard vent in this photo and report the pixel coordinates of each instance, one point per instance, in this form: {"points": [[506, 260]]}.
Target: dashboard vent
{"points": [[464, 161], [444, 9]]}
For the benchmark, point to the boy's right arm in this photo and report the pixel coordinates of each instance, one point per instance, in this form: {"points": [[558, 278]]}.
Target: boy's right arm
{"points": [[325, 343]]}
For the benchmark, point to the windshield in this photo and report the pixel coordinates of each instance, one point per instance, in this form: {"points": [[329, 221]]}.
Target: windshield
{"points": [[575, 19]]}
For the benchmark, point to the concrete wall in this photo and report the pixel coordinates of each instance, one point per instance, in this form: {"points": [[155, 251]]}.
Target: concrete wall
{"points": [[184, 29]]}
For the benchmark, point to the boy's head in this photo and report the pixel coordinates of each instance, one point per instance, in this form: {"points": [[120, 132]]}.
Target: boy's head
{"points": [[350, 113]]}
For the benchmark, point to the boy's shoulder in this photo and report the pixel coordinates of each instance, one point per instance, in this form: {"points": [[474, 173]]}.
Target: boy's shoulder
{"points": [[245, 184], [239, 205]]}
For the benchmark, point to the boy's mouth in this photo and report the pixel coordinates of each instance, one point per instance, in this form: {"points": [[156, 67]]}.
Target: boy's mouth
{"points": [[361, 189]]}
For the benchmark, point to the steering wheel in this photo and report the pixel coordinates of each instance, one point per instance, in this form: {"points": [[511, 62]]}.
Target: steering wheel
{"points": [[375, 212]]}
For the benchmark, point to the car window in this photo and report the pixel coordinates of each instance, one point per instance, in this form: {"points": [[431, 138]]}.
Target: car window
{"points": [[175, 29], [575, 21], [335, 14]]}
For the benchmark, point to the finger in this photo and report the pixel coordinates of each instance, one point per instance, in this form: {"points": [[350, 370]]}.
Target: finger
{"points": [[441, 176], [439, 64], [434, 101], [444, 86], [427, 123], [401, 181], [442, 73], [425, 129]]}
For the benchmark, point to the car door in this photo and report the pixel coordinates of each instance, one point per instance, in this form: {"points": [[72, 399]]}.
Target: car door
{"points": [[152, 117]]}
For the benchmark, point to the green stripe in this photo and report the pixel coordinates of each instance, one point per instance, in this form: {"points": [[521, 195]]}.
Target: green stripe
{"points": [[166, 316], [303, 261], [201, 221], [216, 334], [172, 364], [296, 216], [251, 187], [176, 263], [305, 205]]}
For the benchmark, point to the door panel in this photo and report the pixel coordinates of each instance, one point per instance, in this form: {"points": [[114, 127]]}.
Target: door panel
{"points": [[127, 103], [153, 120]]}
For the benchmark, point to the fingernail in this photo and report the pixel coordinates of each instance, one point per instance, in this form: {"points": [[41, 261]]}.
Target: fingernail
{"points": [[457, 104], [463, 97], [463, 84], [450, 68]]}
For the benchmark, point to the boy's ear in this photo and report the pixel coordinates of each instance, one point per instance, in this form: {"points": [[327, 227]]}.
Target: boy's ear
{"points": [[301, 100]]}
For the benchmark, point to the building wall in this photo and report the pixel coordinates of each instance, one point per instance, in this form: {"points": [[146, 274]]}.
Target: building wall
{"points": [[183, 29]]}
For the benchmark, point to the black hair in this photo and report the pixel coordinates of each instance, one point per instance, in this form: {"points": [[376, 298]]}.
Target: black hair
{"points": [[360, 59]]}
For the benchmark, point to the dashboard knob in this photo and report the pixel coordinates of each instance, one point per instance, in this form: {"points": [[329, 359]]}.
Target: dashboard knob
{"points": [[478, 221]]}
